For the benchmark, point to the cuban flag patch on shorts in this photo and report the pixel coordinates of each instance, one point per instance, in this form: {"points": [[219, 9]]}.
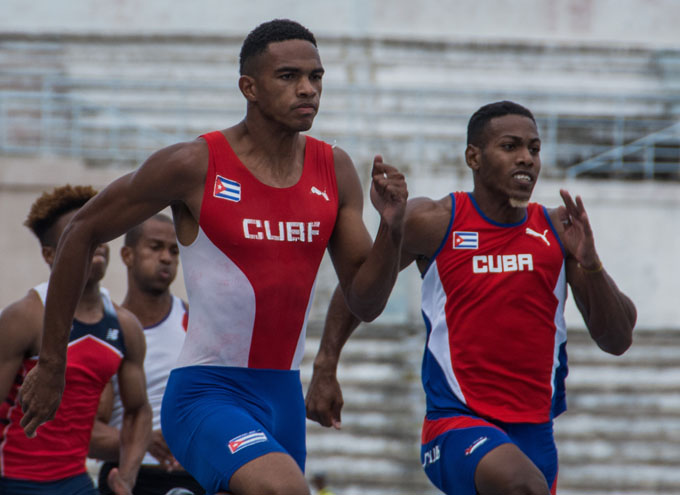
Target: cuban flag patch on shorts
{"points": [[246, 440]]}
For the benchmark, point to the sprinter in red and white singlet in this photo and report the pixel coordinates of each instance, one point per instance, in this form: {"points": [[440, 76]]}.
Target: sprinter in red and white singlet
{"points": [[495, 271]]}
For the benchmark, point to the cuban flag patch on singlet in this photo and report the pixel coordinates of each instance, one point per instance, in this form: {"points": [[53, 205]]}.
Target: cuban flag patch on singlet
{"points": [[465, 240], [246, 440], [227, 189]]}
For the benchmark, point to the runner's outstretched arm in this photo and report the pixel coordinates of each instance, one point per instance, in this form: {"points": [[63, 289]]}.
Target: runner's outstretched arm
{"points": [[367, 270], [609, 314], [175, 174]]}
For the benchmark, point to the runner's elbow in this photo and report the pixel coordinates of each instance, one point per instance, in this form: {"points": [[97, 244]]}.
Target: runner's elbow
{"points": [[368, 313]]}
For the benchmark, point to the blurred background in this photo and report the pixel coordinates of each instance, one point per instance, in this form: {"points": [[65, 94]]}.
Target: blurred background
{"points": [[89, 88]]}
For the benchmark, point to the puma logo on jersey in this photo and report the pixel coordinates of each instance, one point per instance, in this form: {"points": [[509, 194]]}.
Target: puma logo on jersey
{"points": [[533, 233], [318, 192], [502, 263], [280, 231]]}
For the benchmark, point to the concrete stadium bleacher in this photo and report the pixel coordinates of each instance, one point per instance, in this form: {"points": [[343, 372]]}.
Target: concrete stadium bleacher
{"points": [[121, 97], [620, 434], [115, 99]]}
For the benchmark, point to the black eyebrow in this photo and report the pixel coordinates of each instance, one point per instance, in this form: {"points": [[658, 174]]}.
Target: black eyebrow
{"points": [[156, 240], [288, 69], [517, 138], [297, 69]]}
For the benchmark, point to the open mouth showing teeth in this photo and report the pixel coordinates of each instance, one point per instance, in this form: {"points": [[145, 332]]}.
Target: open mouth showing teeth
{"points": [[523, 177]]}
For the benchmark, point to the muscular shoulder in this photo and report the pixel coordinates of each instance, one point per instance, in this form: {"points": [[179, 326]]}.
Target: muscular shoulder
{"points": [[423, 208], [21, 323], [349, 186], [341, 158], [133, 333], [186, 161], [426, 224], [343, 164], [555, 218]]}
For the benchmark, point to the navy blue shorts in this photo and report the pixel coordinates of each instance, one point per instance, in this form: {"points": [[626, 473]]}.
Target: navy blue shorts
{"points": [[452, 447], [215, 419], [80, 484]]}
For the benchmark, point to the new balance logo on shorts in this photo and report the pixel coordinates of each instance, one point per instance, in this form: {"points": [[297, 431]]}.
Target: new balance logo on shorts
{"points": [[246, 440]]}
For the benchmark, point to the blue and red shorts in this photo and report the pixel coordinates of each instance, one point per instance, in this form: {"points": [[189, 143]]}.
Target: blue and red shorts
{"points": [[215, 419], [452, 446]]}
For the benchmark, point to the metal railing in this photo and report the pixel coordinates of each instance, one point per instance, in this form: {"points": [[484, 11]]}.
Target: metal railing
{"points": [[651, 155], [124, 121]]}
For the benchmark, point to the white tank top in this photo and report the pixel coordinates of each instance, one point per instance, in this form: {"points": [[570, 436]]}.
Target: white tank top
{"points": [[163, 344]]}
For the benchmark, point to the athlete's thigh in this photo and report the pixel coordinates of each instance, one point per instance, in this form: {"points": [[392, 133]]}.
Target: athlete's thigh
{"points": [[452, 448], [238, 416], [221, 441], [272, 473], [537, 441], [288, 425], [506, 469]]}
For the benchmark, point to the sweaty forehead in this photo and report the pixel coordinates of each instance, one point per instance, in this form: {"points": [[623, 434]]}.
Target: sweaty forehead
{"points": [[290, 52], [511, 125], [153, 229]]}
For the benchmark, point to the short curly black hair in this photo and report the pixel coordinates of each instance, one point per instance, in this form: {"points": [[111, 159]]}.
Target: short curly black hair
{"points": [[271, 32], [480, 119], [50, 206]]}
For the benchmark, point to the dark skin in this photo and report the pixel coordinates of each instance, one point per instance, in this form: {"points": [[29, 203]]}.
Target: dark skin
{"points": [[505, 169], [21, 329], [151, 267], [282, 88]]}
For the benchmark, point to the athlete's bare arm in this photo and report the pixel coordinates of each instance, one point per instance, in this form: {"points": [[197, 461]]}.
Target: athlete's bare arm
{"points": [[367, 271], [135, 433], [172, 176], [20, 324], [609, 314], [425, 224], [425, 228], [104, 443], [105, 440]]}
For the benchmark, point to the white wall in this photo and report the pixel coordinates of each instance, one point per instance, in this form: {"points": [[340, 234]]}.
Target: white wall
{"points": [[636, 226], [637, 234], [21, 182], [644, 22]]}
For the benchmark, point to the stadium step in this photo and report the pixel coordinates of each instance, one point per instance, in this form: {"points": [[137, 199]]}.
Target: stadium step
{"points": [[620, 435]]}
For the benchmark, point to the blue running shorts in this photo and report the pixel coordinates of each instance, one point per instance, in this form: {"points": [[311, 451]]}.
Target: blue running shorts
{"points": [[80, 484], [215, 419], [452, 446]]}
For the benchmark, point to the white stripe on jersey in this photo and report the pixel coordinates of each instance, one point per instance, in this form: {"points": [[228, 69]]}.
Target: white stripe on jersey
{"points": [[222, 318], [433, 304], [560, 324]]}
